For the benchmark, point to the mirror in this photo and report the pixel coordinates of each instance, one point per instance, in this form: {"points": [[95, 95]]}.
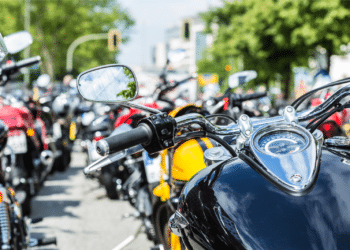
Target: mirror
{"points": [[43, 81], [18, 41], [241, 78], [176, 55], [3, 49], [110, 83]]}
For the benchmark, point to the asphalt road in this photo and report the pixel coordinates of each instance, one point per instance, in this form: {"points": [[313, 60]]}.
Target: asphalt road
{"points": [[77, 211]]}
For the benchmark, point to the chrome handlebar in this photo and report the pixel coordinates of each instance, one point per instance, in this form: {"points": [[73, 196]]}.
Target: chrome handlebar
{"points": [[231, 129]]}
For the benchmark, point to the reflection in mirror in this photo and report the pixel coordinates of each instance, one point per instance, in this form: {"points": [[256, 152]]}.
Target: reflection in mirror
{"points": [[176, 55], [3, 49], [241, 78], [18, 41], [110, 83]]}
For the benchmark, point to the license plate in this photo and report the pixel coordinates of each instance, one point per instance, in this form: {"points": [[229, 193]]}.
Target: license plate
{"points": [[18, 143], [93, 152], [152, 167]]}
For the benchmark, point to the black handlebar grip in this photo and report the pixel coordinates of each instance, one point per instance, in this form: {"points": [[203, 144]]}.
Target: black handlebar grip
{"points": [[140, 135], [28, 62], [246, 97]]}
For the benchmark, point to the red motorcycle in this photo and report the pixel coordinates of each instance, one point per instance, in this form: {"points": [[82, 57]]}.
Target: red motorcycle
{"points": [[26, 138]]}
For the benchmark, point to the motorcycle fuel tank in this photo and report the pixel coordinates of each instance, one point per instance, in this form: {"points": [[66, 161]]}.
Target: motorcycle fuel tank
{"points": [[230, 206]]}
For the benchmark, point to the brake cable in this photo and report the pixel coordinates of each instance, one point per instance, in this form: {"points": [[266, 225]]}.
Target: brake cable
{"points": [[312, 127], [302, 98]]}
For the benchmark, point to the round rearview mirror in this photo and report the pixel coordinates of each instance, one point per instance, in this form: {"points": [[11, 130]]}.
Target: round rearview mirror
{"points": [[3, 49], [43, 80], [241, 78], [18, 41], [109, 83], [176, 55]]}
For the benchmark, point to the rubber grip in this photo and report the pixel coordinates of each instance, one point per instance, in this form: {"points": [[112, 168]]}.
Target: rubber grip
{"points": [[28, 62], [246, 97], [140, 135]]}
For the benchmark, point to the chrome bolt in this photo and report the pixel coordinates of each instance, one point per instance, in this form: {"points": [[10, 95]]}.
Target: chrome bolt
{"points": [[296, 178], [289, 109], [244, 117]]}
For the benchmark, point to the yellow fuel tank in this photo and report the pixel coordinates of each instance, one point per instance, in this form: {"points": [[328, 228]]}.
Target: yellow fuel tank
{"points": [[188, 158]]}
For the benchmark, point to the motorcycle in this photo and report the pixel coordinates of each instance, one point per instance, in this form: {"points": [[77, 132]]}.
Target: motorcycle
{"points": [[270, 172], [13, 226], [231, 104], [27, 134]]}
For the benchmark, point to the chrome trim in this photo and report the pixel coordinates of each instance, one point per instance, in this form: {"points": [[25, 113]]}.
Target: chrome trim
{"points": [[141, 107], [230, 129], [246, 128], [177, 222], [102, 147], [293, 173], [290, 115], [215, 154], [109, 159], [338, 141], [5, 227]]}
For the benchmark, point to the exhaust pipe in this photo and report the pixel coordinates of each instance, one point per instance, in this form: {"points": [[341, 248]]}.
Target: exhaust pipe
{"points": [[47, 157]]}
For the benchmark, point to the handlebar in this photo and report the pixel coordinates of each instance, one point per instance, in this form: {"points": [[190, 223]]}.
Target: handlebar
{"points": [[246, 97], [143, 133], [8, 68], [242, 97], [140, 135]]}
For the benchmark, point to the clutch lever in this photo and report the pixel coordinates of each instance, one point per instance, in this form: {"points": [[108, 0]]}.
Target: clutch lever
{"points": [[109, 159]]}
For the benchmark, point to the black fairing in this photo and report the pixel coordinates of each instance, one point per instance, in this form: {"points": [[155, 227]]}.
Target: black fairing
{"points": [[230, 206]]}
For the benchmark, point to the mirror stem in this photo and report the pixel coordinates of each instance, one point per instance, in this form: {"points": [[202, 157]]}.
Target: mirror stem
{"points": [[141, 107]]}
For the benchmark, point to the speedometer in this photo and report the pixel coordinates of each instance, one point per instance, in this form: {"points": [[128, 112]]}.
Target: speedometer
{"points": [[281, 142]]}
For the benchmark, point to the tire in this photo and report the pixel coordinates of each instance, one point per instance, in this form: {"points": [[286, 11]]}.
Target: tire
{"points": [[161, 224], [110, 185], [20, 172], [26, 205], [62, 162]]}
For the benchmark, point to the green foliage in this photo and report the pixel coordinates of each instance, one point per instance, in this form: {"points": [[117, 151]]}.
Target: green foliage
{"points": [[272, 36], [55, 24], [130, 92]]}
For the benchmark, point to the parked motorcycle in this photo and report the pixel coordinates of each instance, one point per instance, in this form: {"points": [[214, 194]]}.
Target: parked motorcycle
{"points": [[231, 104], [270, 172], [13, 226], [27, 134]]}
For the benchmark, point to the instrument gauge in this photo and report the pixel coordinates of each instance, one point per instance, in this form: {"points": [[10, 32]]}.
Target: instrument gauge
{"points": [[281, 142]]}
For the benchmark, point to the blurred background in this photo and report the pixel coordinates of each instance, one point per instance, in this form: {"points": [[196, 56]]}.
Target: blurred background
{"points": [[291, 44], [283, 41]]}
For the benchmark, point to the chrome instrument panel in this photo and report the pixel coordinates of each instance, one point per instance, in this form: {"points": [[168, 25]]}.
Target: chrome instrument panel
{"points": [[288, 156]]}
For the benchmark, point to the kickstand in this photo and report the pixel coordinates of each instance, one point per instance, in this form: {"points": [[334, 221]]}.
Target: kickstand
{"points": [[130, 239]]}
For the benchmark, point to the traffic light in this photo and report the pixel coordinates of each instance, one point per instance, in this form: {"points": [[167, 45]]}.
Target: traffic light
{"points": [[114, 38], [186, 30]]}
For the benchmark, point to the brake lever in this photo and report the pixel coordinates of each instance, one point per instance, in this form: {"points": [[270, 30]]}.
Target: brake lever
{"points": [[110, 159]]}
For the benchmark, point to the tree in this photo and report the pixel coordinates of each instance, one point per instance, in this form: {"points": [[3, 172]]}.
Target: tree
{"points": [[131, 87], [272, 36], [55, 24]]}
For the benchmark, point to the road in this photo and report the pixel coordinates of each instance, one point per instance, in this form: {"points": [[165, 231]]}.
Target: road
{"points": [[77, 212]]}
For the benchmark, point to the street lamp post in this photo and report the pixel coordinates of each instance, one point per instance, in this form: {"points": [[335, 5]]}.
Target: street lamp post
{"points": [[77, 42]]}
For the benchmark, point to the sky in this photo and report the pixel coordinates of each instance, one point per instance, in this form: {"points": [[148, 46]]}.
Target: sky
{"points": [[152, 18]]}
